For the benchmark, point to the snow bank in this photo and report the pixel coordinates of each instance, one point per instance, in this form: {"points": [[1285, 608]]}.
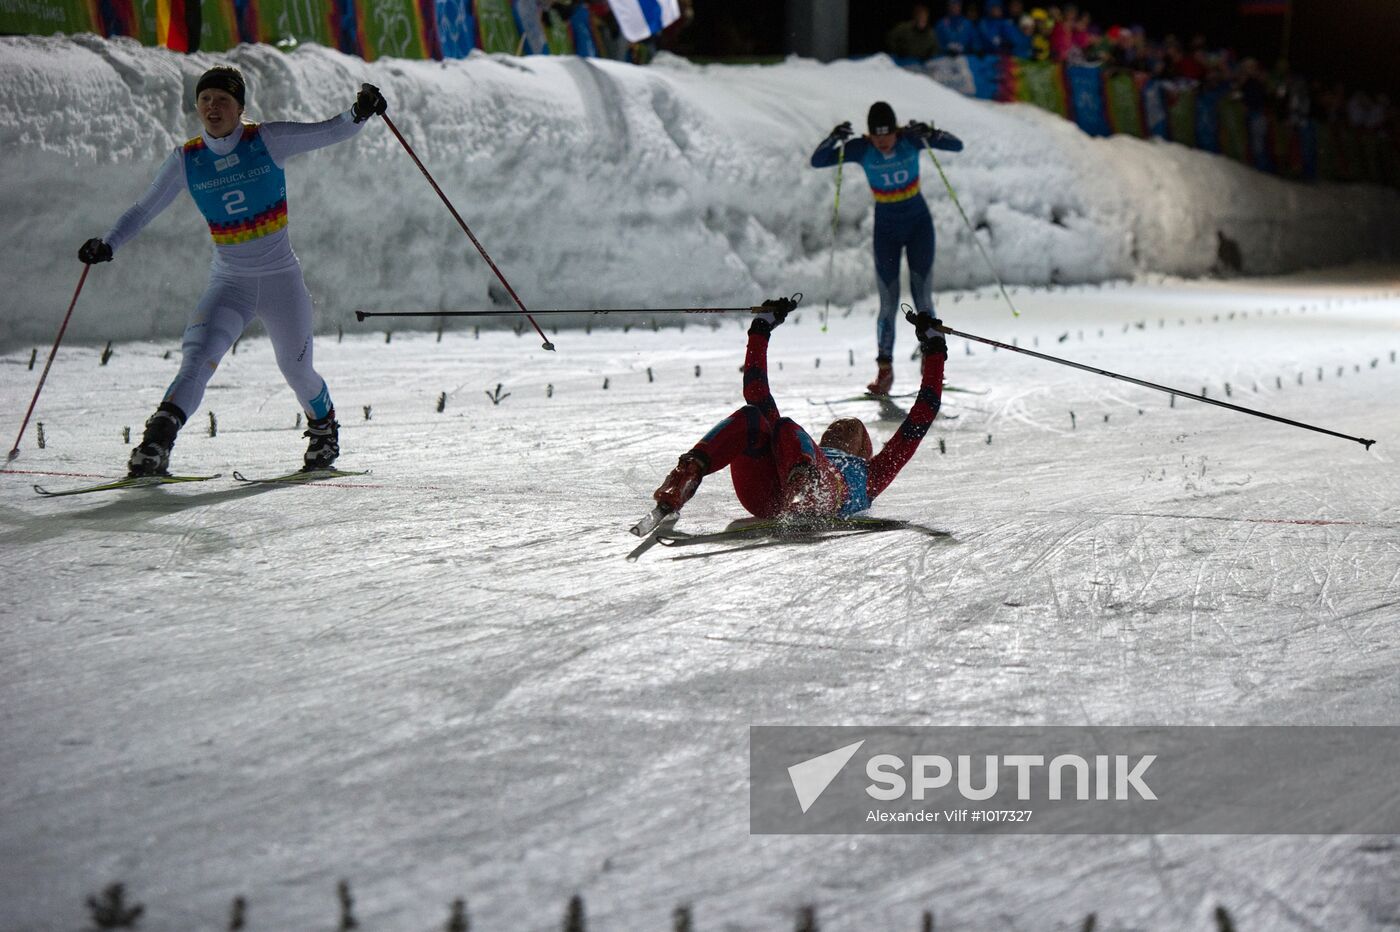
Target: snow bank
{"points": [[597, 184]]}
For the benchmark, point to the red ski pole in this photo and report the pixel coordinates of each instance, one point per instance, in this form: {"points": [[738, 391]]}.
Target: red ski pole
{"points": [[14, 451], [465, 229]]}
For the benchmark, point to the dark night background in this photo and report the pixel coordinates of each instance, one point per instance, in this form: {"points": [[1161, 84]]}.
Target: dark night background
{"points": [[1355, 41]]}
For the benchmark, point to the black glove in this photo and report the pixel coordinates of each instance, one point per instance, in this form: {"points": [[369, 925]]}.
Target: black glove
{"points": [[928, 330], [774, 312], [95, 251], [368, 103], [920, 130], [842, 133]]}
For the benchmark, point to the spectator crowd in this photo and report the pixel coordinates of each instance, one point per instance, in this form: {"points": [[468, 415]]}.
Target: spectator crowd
{"points": [[1069, 34]]}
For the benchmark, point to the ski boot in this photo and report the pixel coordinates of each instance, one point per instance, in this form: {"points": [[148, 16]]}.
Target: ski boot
{"points": [[884, 378], [324, 442], [680, 484], [151, 457]]}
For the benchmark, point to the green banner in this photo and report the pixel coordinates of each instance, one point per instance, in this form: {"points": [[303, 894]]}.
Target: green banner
{"points": [[561, 38], [289, 23], [46, 17], [392, 28], [1124, 105], [1041, 83], [1181, 116], [496, 26], [1234, 129], [217, 32]]}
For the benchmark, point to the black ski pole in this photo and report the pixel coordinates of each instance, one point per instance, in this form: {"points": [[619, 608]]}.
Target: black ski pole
{"points": [[14, 451], [361, 315], [1153, 385], [465, 229]]}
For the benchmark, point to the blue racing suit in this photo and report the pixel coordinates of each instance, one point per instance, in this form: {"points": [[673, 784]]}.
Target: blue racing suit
{"points": [[902, 221]]}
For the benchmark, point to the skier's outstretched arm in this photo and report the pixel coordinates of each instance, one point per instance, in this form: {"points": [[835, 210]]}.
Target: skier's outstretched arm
{"points": [[285, 140], [756, 391], [169, 181], [900, 448]]}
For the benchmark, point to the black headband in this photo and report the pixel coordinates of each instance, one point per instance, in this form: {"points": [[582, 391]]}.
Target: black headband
{"points": [[228, 80]]}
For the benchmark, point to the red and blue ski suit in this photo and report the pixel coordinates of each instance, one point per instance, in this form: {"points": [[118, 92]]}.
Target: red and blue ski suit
{"points": [[761, 447]]}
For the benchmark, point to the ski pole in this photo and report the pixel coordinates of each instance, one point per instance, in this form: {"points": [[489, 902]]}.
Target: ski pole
{"points": [[975, 241], [14, 451], [1153, 385], [835, 215], [361, 315], [465, 229]]}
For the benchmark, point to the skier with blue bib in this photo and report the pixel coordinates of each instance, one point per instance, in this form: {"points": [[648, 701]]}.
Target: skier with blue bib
{"points": [[233, 171], [890, 156]]}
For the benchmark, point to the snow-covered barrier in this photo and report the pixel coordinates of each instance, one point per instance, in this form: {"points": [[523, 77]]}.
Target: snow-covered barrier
{"points": [[598, 184]]}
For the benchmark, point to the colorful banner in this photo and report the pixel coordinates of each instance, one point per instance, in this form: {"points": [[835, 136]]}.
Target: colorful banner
{"points": [[529, 22], [1043, 84], [246, 20], [1181, 115], [1208, 120], [114, 18], [392, 28], [1155, 115], [1124, 94], [46, 17], [495, 22], [953, 72], [986, 75], [1087, 92], [581, 29], [558, 34], [289, 23], [1234, 128], [456, 28]]}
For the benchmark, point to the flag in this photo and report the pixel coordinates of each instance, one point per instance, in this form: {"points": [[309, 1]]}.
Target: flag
{"points": [[1263, 7], [642, 18]]}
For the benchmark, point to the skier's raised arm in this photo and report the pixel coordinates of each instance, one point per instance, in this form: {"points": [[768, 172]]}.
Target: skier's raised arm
{"points": [[285, 140], [886, 464], [919, 132], [756, 390], [828, 152]]}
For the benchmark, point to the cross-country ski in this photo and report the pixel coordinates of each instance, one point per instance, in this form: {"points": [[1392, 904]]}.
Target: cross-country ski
{"points": [[127, 482], [301, 476]]}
